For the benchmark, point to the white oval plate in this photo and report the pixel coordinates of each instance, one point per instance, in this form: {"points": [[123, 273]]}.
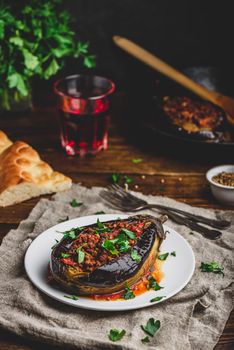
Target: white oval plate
{"points": [[178, 270]]}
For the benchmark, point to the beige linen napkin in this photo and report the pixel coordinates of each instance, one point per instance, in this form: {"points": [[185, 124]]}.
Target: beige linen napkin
{"points": [[192, 319]]}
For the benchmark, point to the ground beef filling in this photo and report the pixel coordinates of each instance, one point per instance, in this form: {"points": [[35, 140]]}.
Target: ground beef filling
{"points": [[192, 115], [91, 244]]}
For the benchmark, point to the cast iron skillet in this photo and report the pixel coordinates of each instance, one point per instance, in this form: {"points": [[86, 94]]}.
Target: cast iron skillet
{"points": [[148, 112], [216, 79]]}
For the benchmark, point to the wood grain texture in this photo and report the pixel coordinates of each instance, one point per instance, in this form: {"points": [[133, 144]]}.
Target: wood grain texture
{"points": [[157, 174]]}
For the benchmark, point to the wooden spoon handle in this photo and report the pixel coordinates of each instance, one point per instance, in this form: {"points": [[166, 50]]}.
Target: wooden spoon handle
{"points": [[164, 68]]}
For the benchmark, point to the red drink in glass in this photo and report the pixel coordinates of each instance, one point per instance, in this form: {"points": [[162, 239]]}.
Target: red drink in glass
{"points": [[84, 113]]}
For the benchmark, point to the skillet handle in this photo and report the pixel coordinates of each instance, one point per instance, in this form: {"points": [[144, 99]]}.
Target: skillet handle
{"points": [[164, 68]]}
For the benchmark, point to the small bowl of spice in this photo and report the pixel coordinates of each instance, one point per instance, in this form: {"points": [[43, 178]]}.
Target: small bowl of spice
{"points": [[221, 179]]}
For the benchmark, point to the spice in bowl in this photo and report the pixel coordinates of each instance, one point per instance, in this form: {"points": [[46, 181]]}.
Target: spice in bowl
{"points": [[224, 178], [221, 180]]}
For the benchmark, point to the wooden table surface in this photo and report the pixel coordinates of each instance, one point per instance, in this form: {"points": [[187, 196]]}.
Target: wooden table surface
{"points": [[158, 174]]}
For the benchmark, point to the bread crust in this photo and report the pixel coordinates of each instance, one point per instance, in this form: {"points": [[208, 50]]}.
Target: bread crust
{"points": [[4, 141], [21, 164]]}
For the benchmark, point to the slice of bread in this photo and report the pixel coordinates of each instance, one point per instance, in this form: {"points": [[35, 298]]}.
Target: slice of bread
{"points": [[24, 175]]}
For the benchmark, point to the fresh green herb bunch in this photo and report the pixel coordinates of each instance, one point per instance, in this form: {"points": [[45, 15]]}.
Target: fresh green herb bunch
{"points": [[35, 39]]}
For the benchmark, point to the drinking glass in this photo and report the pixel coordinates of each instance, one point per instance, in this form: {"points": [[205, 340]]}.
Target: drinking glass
{"points": [[84, 113]]}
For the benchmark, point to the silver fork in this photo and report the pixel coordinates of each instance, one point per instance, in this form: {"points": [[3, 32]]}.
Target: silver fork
{"points": [[125, 201]]}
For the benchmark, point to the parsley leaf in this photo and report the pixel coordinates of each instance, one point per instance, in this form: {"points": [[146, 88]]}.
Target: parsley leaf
{"points": [[135, 256], [69, 234], [156, 299], [65, 255], [110, 247], [122, 242], [173, 253], [137, 160], [163, 256], [116, 334], [73, 297], [151, 327], [212, 267], [75, 204], [145, 340], [101, 227], [80, 255], [128, 294], [128, 179], [153, 284], [115, 178], [129, 233], [99, 212], [100, 224]]}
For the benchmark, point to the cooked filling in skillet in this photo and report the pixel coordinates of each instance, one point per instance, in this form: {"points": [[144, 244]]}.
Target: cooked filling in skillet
{"points": [[103, 257], [194, 117]]}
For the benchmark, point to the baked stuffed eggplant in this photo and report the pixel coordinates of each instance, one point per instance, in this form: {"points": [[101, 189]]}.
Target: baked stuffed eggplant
{"points": [[103, 257], [195, 118]]}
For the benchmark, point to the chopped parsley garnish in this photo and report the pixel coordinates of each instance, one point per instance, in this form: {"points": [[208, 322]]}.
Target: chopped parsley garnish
{"points": [[70, 234], [110, 247], [128, 294], [145, 340], [151, 327], [153, 284], [73, 297], [116, 334], [128, 179], [137, 160], [129, 233], [65, 255], [173, 253], [99, 212], [212, 267], [75, 204], [156, 299], [80, 255], [163, 256], [100, 224], [100, 230], [115, 178], [101, 227], [135, 256], [122, 242]]}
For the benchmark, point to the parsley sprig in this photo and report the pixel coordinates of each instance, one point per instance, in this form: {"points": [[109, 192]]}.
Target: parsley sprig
{"points": [[116, 334], [128, 293], [73, 297], [72, 233], [163, 256], [212, 267], [152, 284], [151, 327], [116, 178], [35, 40], [75, 204]]}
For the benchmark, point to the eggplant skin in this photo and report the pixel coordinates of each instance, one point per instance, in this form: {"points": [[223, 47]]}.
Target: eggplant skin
{"points": [[112, 277]]}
